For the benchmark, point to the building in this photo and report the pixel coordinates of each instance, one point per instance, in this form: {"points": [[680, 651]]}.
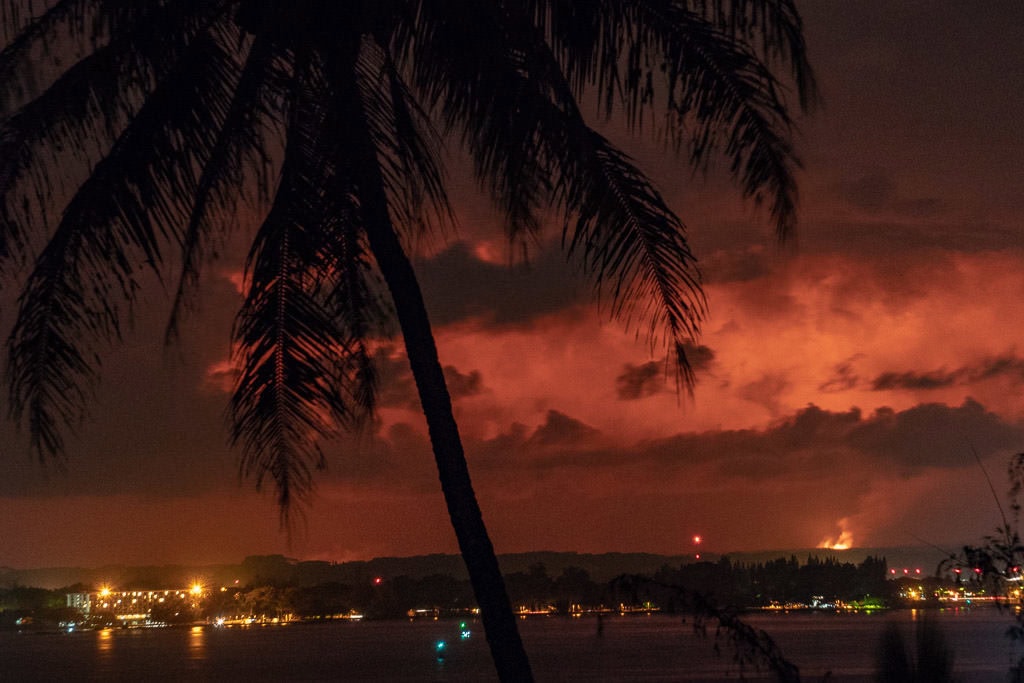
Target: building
{"points": [[138, 607]]}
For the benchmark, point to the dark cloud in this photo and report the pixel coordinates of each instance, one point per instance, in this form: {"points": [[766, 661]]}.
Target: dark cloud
{"points": [[876, 192], [914, 380], [561, 430], [844, 448], [700, 356], [734, 265], [638, 381], [925, 436], [843, 378], [813, 446], [461, 385], [457, 286], [766, 391], [935, 435], [547, 447], [648, 379], [871, 191], [1007, 366], [397, 389]]}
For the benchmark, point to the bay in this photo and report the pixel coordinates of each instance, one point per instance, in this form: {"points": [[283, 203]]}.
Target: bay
{"points": [[626, 648]]}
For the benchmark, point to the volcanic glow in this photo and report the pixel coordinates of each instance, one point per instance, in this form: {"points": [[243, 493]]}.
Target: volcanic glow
{"points": [[844, 542]]}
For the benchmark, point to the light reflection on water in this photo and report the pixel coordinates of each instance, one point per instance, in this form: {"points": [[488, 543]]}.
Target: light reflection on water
{"points": [[197, 643], [105, 643], [626, 648]]}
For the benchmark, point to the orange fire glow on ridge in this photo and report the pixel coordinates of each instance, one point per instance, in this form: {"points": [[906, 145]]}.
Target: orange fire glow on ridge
{"points": [[844, 542]]}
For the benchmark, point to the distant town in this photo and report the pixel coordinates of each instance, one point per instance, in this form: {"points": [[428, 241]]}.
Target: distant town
{"points": [[273, 590]]}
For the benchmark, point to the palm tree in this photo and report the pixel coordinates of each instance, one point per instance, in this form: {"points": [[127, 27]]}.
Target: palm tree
{"points": [[133, 134]]}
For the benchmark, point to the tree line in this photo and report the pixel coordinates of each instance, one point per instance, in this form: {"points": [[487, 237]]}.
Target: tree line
{"points": [[722, 583]]}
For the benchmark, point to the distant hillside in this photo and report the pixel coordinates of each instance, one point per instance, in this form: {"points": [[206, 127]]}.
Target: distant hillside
{"points": [[282, 570]]}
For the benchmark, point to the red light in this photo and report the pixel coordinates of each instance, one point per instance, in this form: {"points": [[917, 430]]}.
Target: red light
{"points": [[697, 556], [892, 571], [906, 571], [977, 570], [378, 581], [957, 570], [917, 571]]}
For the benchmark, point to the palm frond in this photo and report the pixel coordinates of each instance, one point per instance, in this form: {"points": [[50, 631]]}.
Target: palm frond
{"points": [[116, 222], [303, 366], [724, 98], [39, 140], [705, 64], [355, 300], [630, 242], [773, 28], [285, 399], [51, 144], [466, 68], [627, 238], [408, 146], [633, 245], [27, 61], [239, 161], [52, 356]]}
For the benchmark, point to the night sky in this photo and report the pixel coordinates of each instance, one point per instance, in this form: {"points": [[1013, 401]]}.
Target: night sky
{"points": [[844, 380]]}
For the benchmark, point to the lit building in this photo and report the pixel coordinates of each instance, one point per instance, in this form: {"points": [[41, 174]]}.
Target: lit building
{"points": [[138, 607]]}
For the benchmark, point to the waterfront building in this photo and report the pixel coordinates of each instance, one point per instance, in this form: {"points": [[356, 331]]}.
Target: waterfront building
{"points": [[138, 607]]}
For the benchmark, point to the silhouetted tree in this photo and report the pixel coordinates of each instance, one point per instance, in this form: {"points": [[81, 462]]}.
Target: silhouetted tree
{"points": [[575, 586], [323, 600], [997, 563], [130, 129], [533, 587]]}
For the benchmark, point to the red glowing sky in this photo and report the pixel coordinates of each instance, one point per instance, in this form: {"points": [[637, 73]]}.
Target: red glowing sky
{"points": [[843, 384]]}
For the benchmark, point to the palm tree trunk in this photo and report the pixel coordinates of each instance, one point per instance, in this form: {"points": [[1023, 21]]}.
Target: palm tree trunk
{"points": [[474, 543], [463, 510]]}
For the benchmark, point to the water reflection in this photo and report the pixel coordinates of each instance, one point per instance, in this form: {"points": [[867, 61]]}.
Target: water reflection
{"points": [[197, 643], [656, 648], [105, 644]]}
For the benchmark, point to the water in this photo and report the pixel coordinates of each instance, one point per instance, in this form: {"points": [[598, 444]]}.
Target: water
{"points": [[636, 648]]}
